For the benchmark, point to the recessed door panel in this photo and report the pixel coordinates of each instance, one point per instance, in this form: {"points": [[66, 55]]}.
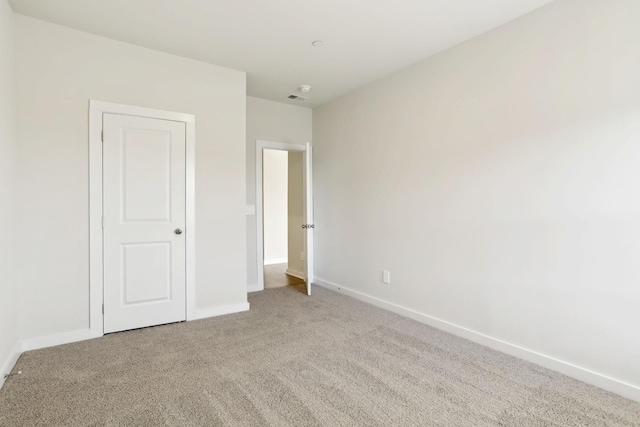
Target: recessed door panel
{"points": [[146, 272], [146, 176], [143, 206]]}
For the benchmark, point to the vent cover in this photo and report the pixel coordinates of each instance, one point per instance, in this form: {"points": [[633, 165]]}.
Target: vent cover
{"points": [[297, 97]]}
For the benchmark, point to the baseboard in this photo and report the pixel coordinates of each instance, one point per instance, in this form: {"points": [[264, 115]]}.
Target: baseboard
{"points": [[86, 334], [254, 287], [57, 339], [221, 310], [7, 365], [295, 273], [276, 261], [622, 388]]}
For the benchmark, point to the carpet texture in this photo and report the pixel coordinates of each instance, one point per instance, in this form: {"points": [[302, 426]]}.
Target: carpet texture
{"points": [[293, 360]]}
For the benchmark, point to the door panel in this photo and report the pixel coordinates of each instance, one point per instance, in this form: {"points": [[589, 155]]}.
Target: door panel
{"points": [[144, 203], [308, 213], [146, 180], [140, 283]]}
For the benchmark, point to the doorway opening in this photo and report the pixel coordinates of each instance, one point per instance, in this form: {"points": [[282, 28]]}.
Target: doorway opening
{"points": [[282, 218], [284, 213]]}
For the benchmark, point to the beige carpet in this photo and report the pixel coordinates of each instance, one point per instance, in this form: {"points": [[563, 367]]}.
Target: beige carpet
{"points": [[295, 360]]}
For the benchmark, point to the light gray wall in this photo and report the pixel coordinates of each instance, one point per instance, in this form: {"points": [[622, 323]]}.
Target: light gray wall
{"points": [[270, 121], [498, 182], [9, 296], [59, 70]]}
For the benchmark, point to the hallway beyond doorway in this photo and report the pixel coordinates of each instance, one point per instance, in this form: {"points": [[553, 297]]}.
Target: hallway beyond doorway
{"points": [[275, 276]]}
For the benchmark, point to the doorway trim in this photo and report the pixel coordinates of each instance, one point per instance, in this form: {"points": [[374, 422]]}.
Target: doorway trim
{"points": [[262, 145], [96, 277]]}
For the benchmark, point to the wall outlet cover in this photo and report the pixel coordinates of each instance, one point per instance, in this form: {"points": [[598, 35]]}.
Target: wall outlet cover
{"points": [[386, 276]]}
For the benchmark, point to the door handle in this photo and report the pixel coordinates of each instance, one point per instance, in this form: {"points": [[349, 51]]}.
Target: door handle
{"points": [[178, 231]]}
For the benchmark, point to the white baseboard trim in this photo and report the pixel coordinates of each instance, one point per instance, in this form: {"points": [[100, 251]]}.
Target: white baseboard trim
{"points": [[57, 339], [10, 362], [85, 334], [622, 388], [221, 310], [295, 273], [276, 261], [254, 287]]}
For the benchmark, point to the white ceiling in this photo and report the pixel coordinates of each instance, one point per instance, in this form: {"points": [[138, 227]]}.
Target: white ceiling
{"points": [[364, 40]]}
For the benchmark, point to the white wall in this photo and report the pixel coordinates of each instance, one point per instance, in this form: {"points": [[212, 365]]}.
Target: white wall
{"points": [[9, 296], [59, 70], [296, 213], [270, 121], [275, 171], [498, 182]]}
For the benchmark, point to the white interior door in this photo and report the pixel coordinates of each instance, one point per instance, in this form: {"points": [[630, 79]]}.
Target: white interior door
{"points": [[308, 215], [143, 221]]}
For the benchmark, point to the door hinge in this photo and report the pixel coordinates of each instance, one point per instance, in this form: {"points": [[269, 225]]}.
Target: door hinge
{"points": [[102, 308], [102, 222], [102, 135]]}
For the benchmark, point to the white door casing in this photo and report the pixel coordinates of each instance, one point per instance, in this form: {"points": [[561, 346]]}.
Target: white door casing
{"points": [[143, 221], [306, 149], [153, 189]]}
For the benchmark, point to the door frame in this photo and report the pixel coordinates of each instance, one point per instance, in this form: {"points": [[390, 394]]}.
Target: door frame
{"points": [[96, 277], [262, 145]]}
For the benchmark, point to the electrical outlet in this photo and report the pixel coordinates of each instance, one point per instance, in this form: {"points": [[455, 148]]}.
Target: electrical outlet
{"points": [[301, 255], [386, 276]]}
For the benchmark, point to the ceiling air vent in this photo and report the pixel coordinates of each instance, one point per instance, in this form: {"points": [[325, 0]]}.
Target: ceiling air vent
{"points": [[297, 97]]}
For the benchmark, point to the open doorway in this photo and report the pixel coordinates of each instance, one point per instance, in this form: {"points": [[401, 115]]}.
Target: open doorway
{"points": [[284, 215], [282, 218]]}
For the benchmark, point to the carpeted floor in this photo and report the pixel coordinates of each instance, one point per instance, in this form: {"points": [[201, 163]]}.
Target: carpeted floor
{"points": [[295, 360]]}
